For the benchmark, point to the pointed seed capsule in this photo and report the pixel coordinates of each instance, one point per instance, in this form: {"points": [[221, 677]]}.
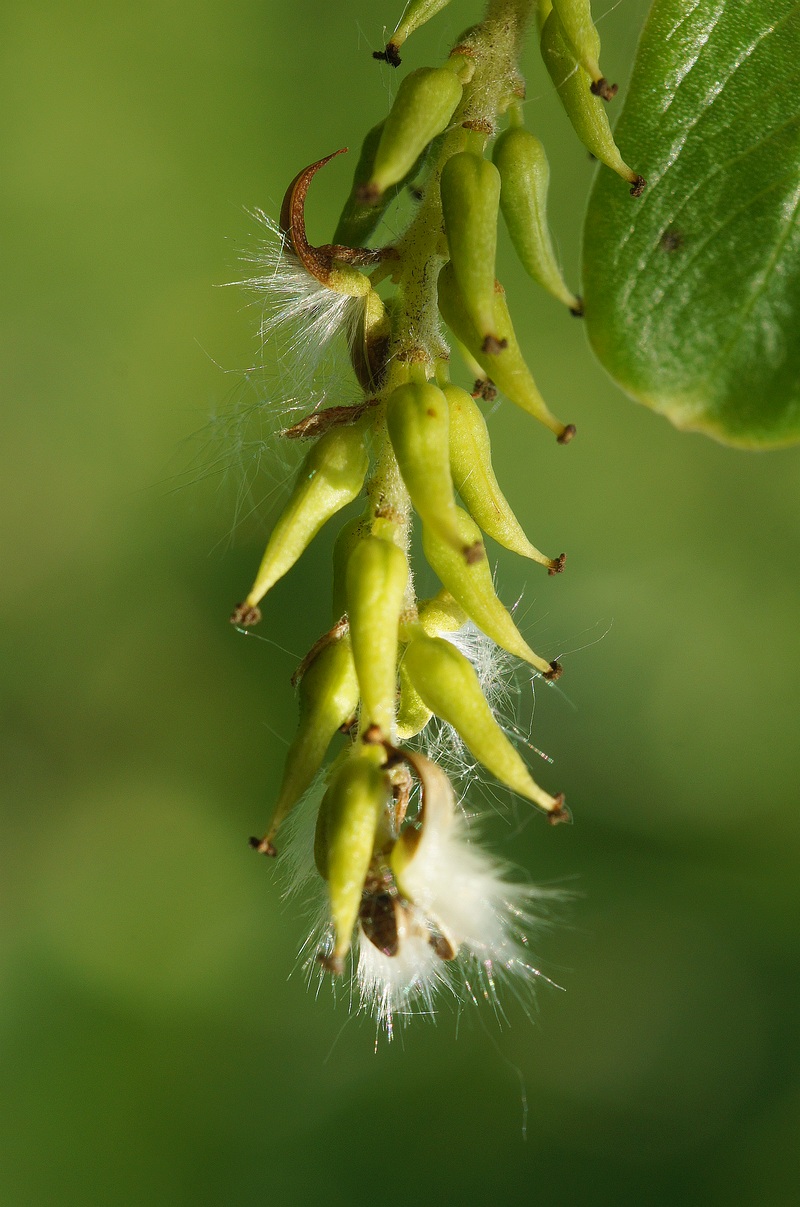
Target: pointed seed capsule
{"points": [[415, 14], [328, 699], [585, 111], [358, 796], [359, 218], [349, 535], [447, 683], [507, 368], [472, 587], [470, 189], [525, 176], [473, 478], [582, 35], [425, 102], [419, 428], [413, 713], [377, 574], [331, 476]]}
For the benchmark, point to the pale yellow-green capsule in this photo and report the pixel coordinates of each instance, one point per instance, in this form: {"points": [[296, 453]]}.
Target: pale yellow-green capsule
{"points": [[582, 35], [425, 102], [349, 820], [525, 177], [359, 218], [448, 684], [328, 699], [473, 478], [377, 574], [472, 587], [441, 614], [413, 713], [470, 190], [586, 111], [415, 14], [330, 477], [506, 368], [419, 428], [349, 535]]}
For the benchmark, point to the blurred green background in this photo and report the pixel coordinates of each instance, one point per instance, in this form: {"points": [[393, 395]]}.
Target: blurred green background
{"points": [[156, 1048]]}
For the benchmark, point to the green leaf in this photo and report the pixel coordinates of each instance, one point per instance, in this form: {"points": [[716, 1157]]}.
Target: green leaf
{"points": [[692, 292]]}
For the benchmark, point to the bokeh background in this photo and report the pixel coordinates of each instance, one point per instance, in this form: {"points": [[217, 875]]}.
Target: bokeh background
{"points": [[157, 1047]]}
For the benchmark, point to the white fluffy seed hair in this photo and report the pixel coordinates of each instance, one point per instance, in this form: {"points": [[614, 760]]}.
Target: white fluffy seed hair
{"points": [[299, 315]]}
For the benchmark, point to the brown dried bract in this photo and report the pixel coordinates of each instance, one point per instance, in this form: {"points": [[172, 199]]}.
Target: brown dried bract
{"points": [[638, 186], [318, 422], [568, 433], [555, 672], [577, 311], [245, 615], [559, 564]]}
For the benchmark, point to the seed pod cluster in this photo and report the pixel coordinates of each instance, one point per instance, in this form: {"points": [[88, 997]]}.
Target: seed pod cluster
{"points": [[417, 444]]}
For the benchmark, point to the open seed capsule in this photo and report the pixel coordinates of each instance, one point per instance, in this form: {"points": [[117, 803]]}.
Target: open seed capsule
{"points": [[525, 176], [472, 587], [470, 189], [447, 683], [473, 477]]}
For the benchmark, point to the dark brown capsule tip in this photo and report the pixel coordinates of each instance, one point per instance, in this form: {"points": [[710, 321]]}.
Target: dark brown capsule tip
{"points": [[245, 615], [491, 345], [263, 846], [560, 815], [603, 89], [390, 55], [638, 186], [331, 963], [558, 564], [577, 310], [555, 672], [474, 553], [484, 388], [569, 431]]}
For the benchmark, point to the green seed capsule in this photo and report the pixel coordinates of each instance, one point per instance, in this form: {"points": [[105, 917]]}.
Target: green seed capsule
{"points": [[425, 102], [525, 176], [441, 614], [473, 477], [470, 189], [330, 477], [328, 698], [348, 823], [415, 14], [377, 574], [349, 535], [413, 713], [582, 35], [359, 219], [472, 587], [419, 428], [586, 111], [506, 368], [447, 682]]}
